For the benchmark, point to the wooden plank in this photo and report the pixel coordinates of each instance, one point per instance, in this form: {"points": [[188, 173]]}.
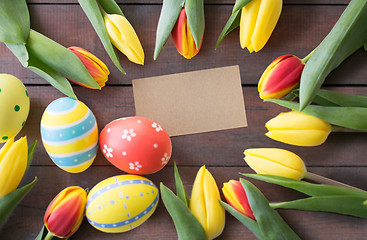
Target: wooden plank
{"points": [[26, 221], [224, 148], [299, 30]]}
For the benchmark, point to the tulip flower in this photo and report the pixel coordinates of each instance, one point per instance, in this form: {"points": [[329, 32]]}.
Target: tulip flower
{"points": [[204, 204], [258, 20], [276, 162], [182, 37], [237, 198], [280, 77], [124, 37], [298, 129], [13, 163], [97, 69], [65, 212]]}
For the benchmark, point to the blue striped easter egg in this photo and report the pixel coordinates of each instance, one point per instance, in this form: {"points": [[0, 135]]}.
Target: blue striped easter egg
{"points": [[121, 203], [69, 134]]}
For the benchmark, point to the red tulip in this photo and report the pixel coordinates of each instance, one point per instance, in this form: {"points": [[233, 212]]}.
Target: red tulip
{"points": [[182, 37], [237, 198], [66, 212], [97, 69], [280, 77]]}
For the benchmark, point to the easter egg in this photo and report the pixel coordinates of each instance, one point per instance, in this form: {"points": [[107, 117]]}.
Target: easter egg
{"points": [[136, 145], [121, 203], [69, 134], [14, 106]]}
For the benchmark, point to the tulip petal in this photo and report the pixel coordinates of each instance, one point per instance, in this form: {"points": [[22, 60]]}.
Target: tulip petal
{"points": [[299, 137], [4, 150], [249, 14], [197, 202]]}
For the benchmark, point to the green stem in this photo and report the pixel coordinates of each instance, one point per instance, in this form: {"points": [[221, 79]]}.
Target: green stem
{"points": [[344, 129], [304, 60], [49, 236]]}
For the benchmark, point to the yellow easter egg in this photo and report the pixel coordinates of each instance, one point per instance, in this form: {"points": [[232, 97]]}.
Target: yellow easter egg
{"points": [[121, 203], [14, 106], [69, 134]]}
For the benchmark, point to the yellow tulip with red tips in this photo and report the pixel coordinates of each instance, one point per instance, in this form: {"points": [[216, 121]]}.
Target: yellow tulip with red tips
{"points": [[182, 37], [275, 161], [13, 164], [258, 20], [204, 204], [96, 68], [124, 37]]}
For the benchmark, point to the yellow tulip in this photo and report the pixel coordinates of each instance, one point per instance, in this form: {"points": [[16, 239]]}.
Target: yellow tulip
{"points": [[204, 204], [13, 163], [258, 20], [298, 129], [124, 37], [275, 161]]}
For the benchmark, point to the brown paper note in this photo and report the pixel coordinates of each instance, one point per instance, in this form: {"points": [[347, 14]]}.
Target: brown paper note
{"points": [[192, 102]]}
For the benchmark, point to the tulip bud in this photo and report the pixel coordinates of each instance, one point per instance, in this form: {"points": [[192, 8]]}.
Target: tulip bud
{"points": [[204, 204], [97, 69], [66, 212], [258, 20], [13, 163], [124, 37], [275, 161], [237, 198], [182, 37], [298, 129], [280, 77]]}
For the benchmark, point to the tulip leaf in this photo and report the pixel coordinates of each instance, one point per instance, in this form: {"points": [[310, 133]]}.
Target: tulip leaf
{"points": [[9, 202], [271, 224], [365, 46], [110, 7], [170, 12], [20, 51], [347, 35], [349, 117], [239, 5], [14, 21], [43, 233], [347, 205], [181, 192], [232, 23], [307, 188], [59, 58], [342, 99], [195, 17], [91, 9], [187, 225], [248, 222]]}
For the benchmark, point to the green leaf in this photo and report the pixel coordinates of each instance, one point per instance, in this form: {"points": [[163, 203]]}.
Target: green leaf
{"points": [[20, 51], [171, 9], [317, 99], [232, 23], [347, 205], [110, 7], [187, 225], [91, 9], [248, 222], [349, 117], [9, 202], [307, 188], [14, 21], [59, 59], [31, 150], [42, 233], [348, 35], [270, 222], [342, 99], [239, 5], [365, 46], [181, 192], [196, 20]]}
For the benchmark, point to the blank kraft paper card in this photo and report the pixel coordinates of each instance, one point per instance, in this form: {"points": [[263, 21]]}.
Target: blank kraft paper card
{"points": [[192, 102]]}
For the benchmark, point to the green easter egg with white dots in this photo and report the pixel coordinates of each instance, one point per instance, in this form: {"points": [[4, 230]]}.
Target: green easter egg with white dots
{"points": [[14, 106]]}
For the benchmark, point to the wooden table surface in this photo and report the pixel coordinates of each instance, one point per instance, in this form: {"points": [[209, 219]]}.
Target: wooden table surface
{"points": [[301, 27]]}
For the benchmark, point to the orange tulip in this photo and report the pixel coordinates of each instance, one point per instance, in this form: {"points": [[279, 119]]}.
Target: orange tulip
{"points": [[97, 69], [182, 37]]}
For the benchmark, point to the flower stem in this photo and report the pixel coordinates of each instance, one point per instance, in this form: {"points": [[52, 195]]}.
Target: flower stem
{"points": [[49, 236], [344, 129], [323, 180], [304, 60]]}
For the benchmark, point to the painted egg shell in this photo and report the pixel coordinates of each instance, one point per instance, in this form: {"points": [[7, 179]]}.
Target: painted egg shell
{"points": [[136, 145], [121, 203], [14, 106], [70, 135]]}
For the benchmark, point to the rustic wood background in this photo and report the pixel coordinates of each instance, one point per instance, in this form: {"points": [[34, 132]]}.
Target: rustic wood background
{"points": [[301, 27]]}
